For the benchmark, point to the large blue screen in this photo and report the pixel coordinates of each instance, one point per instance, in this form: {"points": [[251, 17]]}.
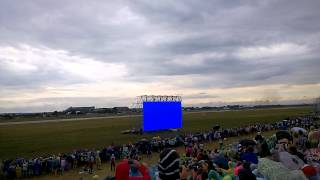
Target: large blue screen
{"points": [[161, 115]]}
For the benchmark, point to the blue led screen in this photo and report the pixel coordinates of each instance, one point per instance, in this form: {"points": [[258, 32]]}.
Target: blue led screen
{"points": [[161, 115]]}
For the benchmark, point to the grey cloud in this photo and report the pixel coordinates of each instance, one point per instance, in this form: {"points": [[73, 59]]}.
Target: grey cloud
{"points": [[200, 96], [259, 102], [231, 72], [61, 103], [36, 79], [263, 24], [175, 28]]}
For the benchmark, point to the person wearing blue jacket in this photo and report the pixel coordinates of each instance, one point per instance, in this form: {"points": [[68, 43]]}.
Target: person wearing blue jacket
{"points": [[249, 156]]}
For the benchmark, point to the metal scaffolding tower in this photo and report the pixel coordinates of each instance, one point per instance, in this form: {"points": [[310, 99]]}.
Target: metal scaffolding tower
{"points": [[155, 98]]}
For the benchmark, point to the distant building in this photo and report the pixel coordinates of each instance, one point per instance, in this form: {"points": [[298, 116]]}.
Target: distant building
{"points": [[317, 105], [188, 108], [79, 110], [121, 109], [103, 110], [136, 109]]}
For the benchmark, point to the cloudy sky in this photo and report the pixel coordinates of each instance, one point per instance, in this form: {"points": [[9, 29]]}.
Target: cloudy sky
{"points": [[55, 54]]}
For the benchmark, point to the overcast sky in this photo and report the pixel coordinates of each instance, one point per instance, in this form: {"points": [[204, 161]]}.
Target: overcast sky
{"points": [[55, 54]]}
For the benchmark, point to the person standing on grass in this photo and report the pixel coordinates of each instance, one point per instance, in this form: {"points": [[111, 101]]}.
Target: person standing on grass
{"points": [[63, 165], [149, 153], [25, 169], [36, 167], [18, 172], [91, 162], [221, 146], [56, 165], [98, 162], [113, 162], [1, 169], [302, 140], [125, 151], [74, 161]]}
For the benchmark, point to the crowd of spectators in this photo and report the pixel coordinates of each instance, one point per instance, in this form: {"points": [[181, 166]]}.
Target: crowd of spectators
{"points": [[194, 161], [289, 154]]}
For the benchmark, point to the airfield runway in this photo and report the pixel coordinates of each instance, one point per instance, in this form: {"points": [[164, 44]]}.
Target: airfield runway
{"points": [[80, 119]]}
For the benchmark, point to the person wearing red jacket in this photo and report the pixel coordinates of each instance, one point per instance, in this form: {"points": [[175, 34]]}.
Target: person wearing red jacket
{"points": [[125, 166]]}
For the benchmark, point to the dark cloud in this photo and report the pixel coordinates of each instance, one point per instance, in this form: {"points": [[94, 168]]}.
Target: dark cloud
{"points": [[224, 28]]}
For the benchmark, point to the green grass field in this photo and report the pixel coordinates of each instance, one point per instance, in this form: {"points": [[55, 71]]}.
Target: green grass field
{"points": [[41, 139]]}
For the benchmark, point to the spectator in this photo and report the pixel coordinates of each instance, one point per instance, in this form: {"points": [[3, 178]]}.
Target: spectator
{"points": [[169, 165], [302, 140], [125, 167], [245, 173], [199, 165], [91, 162], [18, 172], [112, 162], [24, 169], [63, 165], [98, 162], [249, 156]]}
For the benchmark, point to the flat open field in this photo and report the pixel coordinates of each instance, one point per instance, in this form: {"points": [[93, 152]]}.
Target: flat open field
{"points": [[29, 140]]}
